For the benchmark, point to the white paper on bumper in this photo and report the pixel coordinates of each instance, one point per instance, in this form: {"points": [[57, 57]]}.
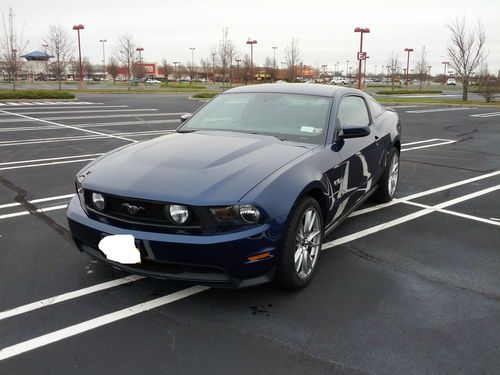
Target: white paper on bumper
{"points": [[120, 248]]}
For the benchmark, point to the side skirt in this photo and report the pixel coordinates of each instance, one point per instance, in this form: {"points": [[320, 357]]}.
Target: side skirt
{"points": [[334, 224]]}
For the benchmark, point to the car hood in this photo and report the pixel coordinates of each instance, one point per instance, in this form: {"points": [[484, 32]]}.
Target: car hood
{"points": [[196, 168]]}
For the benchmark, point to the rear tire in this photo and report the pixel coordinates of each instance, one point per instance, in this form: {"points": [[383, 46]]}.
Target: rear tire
{"points": [[388, 183], [301, 246]]}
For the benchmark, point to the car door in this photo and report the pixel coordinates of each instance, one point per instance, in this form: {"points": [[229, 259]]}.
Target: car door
{"points": [[360, 156]]}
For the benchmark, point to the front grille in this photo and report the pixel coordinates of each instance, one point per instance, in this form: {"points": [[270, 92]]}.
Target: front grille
{"points": [[148, 213]]}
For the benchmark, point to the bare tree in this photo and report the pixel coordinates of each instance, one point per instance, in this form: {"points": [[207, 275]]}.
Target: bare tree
{"points": [[466, 50], [393, 66], [225, 53], [489, 86], [246, 68], [191, 70], [126, 54], [60, 47], [166, 69], [88, 69], [11, 48], [113, 68], [269, 68], [206, 67], [292, 56], [422, 67]]}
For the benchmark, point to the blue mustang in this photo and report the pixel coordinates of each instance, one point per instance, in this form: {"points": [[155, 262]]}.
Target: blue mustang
{"points": [[244, 191]]}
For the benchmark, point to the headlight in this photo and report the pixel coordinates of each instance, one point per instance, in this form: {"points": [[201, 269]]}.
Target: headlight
{"points": [[249, 213], [179, 213], [98, 201], [236, 215]]}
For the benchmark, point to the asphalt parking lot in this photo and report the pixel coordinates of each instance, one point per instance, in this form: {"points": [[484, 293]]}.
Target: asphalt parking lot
{"points": [[407, 287]]}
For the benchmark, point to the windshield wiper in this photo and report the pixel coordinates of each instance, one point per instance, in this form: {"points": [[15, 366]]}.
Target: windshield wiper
{"points": [[187, 130]]}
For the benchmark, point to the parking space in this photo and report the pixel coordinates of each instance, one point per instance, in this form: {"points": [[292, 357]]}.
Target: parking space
{"points": [[412, 286]]}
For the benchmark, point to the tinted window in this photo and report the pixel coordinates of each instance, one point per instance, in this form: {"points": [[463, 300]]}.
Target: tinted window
{"points": [[375, 108], [300, 118], [352, 110]]}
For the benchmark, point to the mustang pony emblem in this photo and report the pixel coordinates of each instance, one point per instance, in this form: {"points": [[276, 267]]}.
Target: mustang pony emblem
{"points": [[131, 209]]}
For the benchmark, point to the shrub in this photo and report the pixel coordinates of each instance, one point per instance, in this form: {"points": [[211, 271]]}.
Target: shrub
{"points": [[205, 95], [36, 94], [408, 92]]}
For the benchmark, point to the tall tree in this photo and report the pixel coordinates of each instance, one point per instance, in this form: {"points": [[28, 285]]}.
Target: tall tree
{"points": [[113, 68], [269, 68], [489, 86], [422, 67], [88, 69], [60, 47], [292, 56], [206, 67], [225, 53], [393, 66], [167, 69], [465, 50], [11, 47], [127, 55]]}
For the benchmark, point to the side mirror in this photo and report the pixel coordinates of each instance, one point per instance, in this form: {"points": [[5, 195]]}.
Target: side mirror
{"points": [[354, 131], [185, 116]]}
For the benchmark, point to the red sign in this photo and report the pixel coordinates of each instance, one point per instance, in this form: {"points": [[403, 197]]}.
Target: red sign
{"points": [[361, 55]]}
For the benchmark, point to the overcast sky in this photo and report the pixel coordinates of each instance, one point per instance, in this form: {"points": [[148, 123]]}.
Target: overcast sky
{"points": [[167, 29]]}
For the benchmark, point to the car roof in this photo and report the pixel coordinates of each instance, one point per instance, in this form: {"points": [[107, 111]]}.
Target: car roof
{"points": [[293, 88]]}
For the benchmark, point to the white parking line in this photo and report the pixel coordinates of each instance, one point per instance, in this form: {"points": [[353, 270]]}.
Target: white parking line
{"points": [[100, 321], [59, 118], [441, 110], [40, 210], [418, 142], [84, 111], [30, 141], [424, 193], [491, 114], [16, 104], [69, 126], [68, 107], [445, 142], [49, 159], [91, 125], [40, 200], [406, 218], [45, 164], [67, 296]]}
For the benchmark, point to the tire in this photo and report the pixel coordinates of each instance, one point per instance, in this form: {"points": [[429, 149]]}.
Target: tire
{"points": [[388, 183], [289, 274]]}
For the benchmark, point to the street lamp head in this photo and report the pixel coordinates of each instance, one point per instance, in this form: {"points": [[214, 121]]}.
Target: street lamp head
{"points": [[139, 49], [408, 49], [445, 62], [103, 40], [361, 30], [251, 41], [78, 27]]}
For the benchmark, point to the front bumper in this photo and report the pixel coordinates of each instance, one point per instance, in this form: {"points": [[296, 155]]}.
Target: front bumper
{"points": [[213, 259]]}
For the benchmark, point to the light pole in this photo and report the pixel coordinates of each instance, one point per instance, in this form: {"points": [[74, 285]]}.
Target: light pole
{"points": [[362, 31], [408, 64], [251, 42], [364, 70], [192, 62], [141, 65], [376, 70], [338, 68], [78, 28], [45, 46], [274, 62], [14, 68], [445, 68], [103, 59], [238, 60], [175, 69], [213, 67], [347, 67]]}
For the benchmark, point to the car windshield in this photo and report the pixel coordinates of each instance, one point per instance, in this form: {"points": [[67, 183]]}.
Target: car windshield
{"points": [[299, 118]]}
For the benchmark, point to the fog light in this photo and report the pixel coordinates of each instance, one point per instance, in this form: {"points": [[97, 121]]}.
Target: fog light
{"points": [[178, 213], [98, 201], [249, 213]]}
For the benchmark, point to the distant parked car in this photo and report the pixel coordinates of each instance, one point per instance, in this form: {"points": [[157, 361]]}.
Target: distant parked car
{"points": [[451, 82], [339, 81], [153, 81]]}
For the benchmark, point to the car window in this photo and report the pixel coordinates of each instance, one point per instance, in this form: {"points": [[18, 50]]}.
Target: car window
{"points": [[375, 108], [352, 110], [301, 118]]}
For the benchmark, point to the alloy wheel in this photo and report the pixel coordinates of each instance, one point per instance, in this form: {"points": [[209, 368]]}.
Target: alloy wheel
{"points": [[308, 241]]}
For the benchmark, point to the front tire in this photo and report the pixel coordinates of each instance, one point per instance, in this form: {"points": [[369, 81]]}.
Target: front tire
{"points": [[389, 181], [301, 246]]}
